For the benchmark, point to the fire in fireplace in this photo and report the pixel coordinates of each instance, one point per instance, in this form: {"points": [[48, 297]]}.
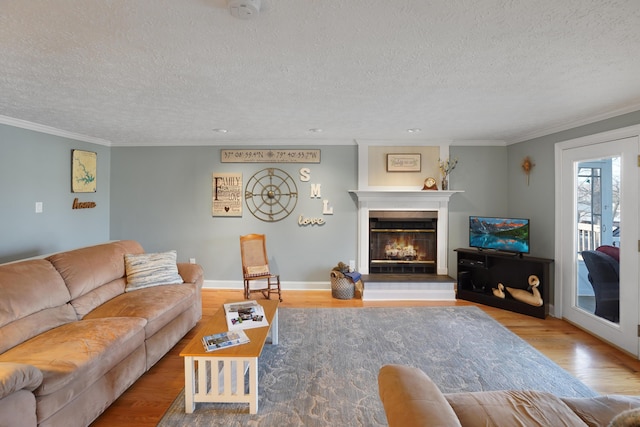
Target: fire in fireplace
{"points": [[402, 242]]}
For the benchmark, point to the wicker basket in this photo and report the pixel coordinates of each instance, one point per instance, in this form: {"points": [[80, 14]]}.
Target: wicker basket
{"points": [[341, 287]]}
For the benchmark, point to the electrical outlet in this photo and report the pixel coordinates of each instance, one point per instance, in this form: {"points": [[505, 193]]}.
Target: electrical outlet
{"points": [[39, 207], [352, 265], [192, 260]]}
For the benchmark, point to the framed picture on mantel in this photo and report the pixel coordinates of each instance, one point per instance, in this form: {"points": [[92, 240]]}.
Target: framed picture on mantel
{"points": [[404, 162]]}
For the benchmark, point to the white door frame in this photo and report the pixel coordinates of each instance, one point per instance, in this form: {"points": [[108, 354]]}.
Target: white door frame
{"points": [[624, 334]]}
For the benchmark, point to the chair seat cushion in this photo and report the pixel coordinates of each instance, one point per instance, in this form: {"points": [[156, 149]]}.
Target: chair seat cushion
{"points": [[257, 271]]}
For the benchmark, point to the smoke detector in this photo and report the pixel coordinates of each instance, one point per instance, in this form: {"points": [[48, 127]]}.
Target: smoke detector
{"points": [[244, 9]]}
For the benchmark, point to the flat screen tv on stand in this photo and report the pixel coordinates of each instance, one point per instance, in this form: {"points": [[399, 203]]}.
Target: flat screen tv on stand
{"points": [[501, 234]]}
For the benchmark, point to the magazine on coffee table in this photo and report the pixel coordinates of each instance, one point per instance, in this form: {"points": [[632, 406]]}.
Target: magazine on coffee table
{"points": [[245, 315], [224, 340]]}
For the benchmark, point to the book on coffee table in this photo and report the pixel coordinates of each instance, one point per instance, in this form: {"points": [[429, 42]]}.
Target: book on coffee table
{"points": [[244, 315], [224, 340]]}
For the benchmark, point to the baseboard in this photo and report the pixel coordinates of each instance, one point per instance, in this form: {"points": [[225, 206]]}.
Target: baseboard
{"points": [[288, 286]]}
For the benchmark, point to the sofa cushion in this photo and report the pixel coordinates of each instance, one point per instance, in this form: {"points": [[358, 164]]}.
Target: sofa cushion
{"points": [[18, 376], [86, 269], [411, 398], [599, 411], [146, 270], [158, 305], [34, 299], [512, 408], [86, 303], [28, 327], [79, 351]]}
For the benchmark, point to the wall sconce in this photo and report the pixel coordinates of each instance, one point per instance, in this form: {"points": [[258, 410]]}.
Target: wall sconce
{"points": [[527, 165]]}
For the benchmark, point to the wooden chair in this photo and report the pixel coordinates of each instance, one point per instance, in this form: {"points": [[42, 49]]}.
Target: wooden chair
{"points": [[255, 267]]}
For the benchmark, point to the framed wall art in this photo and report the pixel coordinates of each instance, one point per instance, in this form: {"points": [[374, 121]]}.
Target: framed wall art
{"points": [[227, 194], [404, 162], [83, 171]]}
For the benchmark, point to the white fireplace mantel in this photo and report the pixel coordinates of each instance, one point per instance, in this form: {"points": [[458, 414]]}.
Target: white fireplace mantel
{"points": [[404, 195], [403, 200]]}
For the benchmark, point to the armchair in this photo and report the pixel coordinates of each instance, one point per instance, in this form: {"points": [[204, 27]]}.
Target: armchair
{"points": [[604, 276]]}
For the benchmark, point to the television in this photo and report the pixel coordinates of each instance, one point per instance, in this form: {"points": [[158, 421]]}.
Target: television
{"points": [[499, 234]]}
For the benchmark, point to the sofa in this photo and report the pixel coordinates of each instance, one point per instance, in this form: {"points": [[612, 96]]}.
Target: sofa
{"points": [[77, 328], [411, 398]]}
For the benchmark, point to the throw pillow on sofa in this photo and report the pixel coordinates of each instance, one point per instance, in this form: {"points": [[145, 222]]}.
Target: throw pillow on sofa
{"points": [[145, 270]]}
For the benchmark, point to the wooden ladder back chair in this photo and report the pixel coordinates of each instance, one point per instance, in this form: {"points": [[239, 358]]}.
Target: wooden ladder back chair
{"points": [[255, 267]]}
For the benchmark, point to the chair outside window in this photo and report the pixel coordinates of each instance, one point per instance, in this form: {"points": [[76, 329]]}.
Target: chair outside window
{"points": [[255, 267], [604, 276]]}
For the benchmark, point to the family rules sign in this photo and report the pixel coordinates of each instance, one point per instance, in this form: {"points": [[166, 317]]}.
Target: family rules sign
{"points": [[227, 194]]}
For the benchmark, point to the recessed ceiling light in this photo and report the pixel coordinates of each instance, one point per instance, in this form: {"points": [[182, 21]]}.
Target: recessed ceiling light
{"points": [[221, 130], [315, 130], [414, 130]]}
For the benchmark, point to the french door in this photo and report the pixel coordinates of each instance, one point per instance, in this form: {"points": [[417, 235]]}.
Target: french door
{"points": [[597, 205]]}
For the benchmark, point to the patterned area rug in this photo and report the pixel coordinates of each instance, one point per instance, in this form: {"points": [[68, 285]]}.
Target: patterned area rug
{"points": [[324, 371]]}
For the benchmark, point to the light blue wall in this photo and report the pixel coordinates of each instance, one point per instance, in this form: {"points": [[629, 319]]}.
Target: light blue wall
{"points": [[481, 173], [161, 196], [537, 201], [36, 167]]}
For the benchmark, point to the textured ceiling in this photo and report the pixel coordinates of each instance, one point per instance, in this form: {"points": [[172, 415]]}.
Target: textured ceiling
{"points": [[169, 72]]}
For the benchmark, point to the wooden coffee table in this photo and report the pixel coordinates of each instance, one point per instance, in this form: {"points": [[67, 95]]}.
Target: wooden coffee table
{"points": [[219, 376]]}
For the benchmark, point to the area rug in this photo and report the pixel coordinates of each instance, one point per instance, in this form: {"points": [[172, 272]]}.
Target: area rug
{"points": [[324, 370]]}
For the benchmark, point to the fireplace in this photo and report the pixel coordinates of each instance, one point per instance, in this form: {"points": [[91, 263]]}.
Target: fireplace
{"points": [[402, 242], [430, 204]]}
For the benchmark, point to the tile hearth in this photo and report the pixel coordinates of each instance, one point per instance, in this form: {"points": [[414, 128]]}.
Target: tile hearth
{"points": [[405, 287]]}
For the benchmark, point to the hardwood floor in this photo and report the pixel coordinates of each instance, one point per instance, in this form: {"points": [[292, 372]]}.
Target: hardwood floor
{"points": [[597, 364]]}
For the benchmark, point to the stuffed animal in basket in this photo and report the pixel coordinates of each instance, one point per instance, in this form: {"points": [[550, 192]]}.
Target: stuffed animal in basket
{"points": [[341, 267]]}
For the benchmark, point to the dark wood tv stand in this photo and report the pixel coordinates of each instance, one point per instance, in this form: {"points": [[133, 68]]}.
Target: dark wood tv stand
{"points": [[481, 271]]}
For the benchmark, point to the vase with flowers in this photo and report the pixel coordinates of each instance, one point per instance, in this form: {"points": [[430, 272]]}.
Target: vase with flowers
{"points": [[446, 166]]}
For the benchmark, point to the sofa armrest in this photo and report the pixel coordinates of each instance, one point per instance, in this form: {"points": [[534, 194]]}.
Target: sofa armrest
{"points": [[18, 376], [191, 273], [410, 398]]}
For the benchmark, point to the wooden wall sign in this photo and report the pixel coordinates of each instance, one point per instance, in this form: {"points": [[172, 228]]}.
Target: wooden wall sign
{"points": [[227, 194], [270, 156], [83, 205]]}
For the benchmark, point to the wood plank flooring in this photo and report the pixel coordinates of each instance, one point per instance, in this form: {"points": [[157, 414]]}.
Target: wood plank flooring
{"points": [[599, 365]]}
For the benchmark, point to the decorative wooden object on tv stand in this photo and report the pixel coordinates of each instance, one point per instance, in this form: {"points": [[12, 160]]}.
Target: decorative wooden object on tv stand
{"points": [[480, 271]]}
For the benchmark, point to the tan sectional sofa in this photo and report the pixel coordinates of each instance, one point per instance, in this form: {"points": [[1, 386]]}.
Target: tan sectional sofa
{"points": [[411, 398], [72, 340]]}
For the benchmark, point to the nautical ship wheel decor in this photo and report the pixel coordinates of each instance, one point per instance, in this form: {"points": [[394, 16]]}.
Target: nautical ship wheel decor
{"points": [[271, 194]]}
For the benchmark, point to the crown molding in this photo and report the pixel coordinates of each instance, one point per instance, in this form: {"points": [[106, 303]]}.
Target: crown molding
{"points": [[574, 124], [24, 124]]}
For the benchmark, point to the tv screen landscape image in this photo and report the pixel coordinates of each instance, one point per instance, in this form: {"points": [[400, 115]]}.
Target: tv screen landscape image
{"points": [[500, 234]]}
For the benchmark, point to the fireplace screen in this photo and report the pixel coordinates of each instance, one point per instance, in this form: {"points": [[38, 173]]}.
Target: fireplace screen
{"points": [[402, 245]]}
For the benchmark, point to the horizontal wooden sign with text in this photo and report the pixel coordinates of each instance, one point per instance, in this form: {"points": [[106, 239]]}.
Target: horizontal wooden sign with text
{"points": [[270, 156]]}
